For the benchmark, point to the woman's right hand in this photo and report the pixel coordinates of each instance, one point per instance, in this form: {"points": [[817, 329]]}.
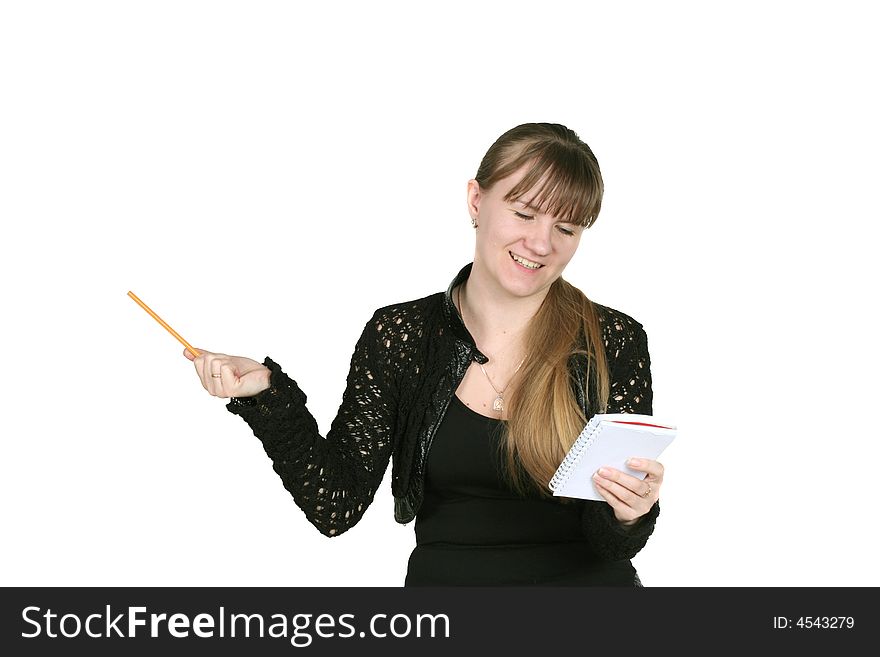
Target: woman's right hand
{"points": [[235, 376]]}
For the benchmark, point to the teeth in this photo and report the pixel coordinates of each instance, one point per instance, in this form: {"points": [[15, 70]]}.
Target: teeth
{"points": [[526, 263]]}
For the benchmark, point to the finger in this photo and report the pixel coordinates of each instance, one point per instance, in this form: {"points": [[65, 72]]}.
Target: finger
{"points": [[191, 356], [635, 484], [199, 365], [654, 469], [619, 507], [632, 499], [204, 367], [606, 494], [622, 511], [230, 380], [215, 369]]}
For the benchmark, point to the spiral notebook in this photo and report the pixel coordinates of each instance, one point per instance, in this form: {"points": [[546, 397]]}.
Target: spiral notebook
{"points": [[609, 439]]}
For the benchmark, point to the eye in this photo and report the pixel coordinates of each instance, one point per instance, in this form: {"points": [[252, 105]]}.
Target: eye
{"points": [[562, 230]]}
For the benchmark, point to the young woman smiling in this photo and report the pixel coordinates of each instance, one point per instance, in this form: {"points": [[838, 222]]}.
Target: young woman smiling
{"points": [[475, 395]]}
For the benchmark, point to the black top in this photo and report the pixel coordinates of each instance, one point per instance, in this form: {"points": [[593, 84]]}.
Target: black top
{"points": [[472, 529]]}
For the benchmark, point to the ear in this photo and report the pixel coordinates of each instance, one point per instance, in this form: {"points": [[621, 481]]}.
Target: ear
{"points": [[473, 198]]}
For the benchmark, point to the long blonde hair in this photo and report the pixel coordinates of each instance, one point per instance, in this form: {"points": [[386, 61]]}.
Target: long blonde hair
{"points": [[544, 417]]}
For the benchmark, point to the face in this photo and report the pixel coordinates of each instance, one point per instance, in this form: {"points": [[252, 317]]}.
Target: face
{"points": [[508, 231]]}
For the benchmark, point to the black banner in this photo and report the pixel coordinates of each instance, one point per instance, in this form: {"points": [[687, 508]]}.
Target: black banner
{"points": [[427, 621]]}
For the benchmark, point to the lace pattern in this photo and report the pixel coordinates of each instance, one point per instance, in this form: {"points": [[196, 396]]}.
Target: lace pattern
{"points": [[626, 345], [331, 479], [402, 371]]}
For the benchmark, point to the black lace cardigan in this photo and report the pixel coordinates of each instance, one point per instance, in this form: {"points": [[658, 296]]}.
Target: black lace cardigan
{"points": [[405, 368]]}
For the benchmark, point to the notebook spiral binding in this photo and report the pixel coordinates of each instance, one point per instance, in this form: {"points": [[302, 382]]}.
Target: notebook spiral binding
{"points": [[588, 435]]}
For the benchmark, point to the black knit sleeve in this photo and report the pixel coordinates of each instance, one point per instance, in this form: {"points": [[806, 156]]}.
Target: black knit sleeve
{"points": [[331, 479], [630, 371]]}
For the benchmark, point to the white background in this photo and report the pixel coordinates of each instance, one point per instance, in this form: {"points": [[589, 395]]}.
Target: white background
{"points": [[266, 174]]}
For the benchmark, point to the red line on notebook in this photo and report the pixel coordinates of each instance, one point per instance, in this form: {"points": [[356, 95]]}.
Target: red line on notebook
{"points": [[644, 424]]}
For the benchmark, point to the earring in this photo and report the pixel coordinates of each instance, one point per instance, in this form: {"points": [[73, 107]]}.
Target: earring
{"points": [[473, 222]]}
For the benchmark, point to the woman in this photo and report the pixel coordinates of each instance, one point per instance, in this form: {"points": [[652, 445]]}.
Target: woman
{"points": [[477, 393]]}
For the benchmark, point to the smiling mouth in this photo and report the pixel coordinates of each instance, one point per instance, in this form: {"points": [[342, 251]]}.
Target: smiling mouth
{"points": [[528, 264]]}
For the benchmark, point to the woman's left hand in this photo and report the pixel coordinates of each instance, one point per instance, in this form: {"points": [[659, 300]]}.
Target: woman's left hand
{"points": [[630, 497]]}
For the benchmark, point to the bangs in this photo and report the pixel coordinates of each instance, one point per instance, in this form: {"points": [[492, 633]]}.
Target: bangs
{"points": [[566, 185]]}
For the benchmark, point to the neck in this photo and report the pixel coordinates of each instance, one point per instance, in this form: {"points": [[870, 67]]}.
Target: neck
{"points": [[495, 318]]}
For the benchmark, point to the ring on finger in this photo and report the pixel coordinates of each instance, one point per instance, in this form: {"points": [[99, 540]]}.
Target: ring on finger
{"points": [[647, 492]]}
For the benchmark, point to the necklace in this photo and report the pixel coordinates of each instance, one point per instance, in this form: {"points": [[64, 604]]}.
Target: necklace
{"points": [[498, 404]]}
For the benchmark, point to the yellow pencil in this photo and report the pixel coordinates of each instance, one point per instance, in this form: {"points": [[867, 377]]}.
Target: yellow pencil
{"points": [[186, 344]]}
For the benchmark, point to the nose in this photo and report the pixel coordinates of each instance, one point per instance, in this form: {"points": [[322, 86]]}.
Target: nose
{"points": [[537, 239]]}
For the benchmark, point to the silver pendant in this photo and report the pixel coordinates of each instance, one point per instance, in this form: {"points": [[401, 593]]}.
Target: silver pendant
{"points": [[499, 404]]}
